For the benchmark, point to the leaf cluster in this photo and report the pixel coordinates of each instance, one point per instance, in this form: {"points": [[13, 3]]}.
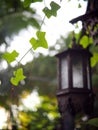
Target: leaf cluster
{"points": [[43, 117]]}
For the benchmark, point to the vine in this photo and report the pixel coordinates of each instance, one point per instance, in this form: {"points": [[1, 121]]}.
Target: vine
{"points": [[40, 41]]}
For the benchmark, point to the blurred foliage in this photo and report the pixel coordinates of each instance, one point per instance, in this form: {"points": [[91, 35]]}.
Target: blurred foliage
{"points": [[93, 122], [41, 75], [14, 17], [44, 116]]}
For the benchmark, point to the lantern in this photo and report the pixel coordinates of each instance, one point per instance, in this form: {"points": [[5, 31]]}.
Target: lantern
{"points": [[74, 91]]}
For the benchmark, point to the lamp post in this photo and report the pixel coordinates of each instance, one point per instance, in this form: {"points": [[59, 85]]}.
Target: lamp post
{"points": [[74, 91], [75, 88]]}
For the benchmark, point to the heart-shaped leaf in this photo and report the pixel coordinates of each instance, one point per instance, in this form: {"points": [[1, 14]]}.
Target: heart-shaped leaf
{"points": [[86, 41], [40, 41], [53, 11], [10, 57], [18, 76]]}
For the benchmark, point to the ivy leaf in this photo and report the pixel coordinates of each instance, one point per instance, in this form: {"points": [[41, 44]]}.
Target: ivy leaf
{"points": [[10, 57], [85, 41], [40, 41], [94, 59], [53, 11], [18, 76]]}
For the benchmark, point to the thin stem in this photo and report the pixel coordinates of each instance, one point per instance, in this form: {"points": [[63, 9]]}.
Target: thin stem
{"points": [[43, 18], [24, 55], [31, 47], [44, 3], [42, 23]]}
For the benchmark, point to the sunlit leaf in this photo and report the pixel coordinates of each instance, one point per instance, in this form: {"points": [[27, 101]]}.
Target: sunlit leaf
{"points": [[10, 57], [18, 76], [40, 41], [85, 41], [93, 122], [53, 11], [25, 117], [94, 59]]}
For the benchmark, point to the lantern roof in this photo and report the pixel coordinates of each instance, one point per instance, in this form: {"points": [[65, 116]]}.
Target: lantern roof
{"points": [[85, 17], [77, 49], [91, 12]]}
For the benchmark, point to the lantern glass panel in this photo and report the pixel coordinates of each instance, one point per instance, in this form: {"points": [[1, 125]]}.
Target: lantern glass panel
{"points": [[64, 73], [77, 71]]}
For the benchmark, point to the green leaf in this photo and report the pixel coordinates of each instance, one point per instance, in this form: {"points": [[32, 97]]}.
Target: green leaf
{"points": [[28, 2], [40, 41], [85, 41], [37, 1], [18, 76], [53, 11], [94, 59], [10, 57], [79, 5], [93, 122]]}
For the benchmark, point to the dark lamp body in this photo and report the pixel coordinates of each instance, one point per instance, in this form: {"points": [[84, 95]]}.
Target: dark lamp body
{"points": [[74, 91]]}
